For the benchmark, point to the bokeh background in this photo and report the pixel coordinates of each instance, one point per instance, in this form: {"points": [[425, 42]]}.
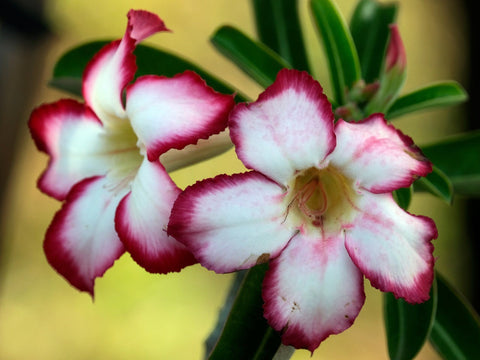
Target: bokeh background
{"points": [[136, 315]]}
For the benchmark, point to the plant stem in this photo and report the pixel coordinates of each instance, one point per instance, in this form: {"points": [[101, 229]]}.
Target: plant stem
{"points": [[284, 352]]}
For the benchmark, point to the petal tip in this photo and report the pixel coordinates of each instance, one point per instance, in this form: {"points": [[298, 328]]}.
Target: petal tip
{"points": [[142, 24]]}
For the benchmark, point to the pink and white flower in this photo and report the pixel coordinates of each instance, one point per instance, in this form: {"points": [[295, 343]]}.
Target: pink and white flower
{"points": [[317, 206], [104, 159]]}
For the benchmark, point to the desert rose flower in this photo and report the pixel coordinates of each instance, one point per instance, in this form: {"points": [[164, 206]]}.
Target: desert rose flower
{"points": [[317, 206], [104, 159]]}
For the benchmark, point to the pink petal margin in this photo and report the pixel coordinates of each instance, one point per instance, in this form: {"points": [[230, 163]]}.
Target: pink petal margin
{"points": [[78, 248], [141, 221], [379, 157], [171, 113], [142, 24], [48, 125], [392, 247], [231, 222], [113, 67], [289, 127], [312, 290]]}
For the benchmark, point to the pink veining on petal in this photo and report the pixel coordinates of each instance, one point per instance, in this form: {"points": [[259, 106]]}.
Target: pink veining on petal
{"points": [[393, 248], [78, 248], [113, 67], [396, 55], [312, 290], [171, 113], [231, 222], [289, 127], [49, 124], [142, 217], [378, 156]]}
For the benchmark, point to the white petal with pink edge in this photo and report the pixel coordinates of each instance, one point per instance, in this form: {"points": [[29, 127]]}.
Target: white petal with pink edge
{"points": [[231, 222], [170, 113], [312, 290], [113, 67], [377, 156], [81, 242], [392, 248], [78, 145], [142, 217], [289, 127]]}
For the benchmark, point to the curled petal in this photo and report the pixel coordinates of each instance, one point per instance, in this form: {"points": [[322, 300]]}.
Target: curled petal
{"points": [[170, 113], [393, 248], [142, 217], [379, 157], [142, 24], [81, 242], [312, 290], [231, 222], [113, 67], [289, 127]]}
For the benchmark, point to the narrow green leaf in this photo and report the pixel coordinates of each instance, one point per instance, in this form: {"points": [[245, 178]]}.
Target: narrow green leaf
{"points": [[432, 96], [408, 325], [67, 73], [456, 330], [339, 47], [254, 58], [212, 339], [279, 28], [458, 158], [436, 183], [370, 31], [246, 334], [403, 197], [269, 346]]}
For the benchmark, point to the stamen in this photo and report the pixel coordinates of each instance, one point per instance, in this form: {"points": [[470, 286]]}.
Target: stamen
{"points": [[312, 187]]}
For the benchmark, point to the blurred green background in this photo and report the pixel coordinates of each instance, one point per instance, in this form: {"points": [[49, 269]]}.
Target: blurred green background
{"points": [[137, 315]]}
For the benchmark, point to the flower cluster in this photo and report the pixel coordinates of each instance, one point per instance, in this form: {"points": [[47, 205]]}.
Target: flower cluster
{"points": [[316, 204]]}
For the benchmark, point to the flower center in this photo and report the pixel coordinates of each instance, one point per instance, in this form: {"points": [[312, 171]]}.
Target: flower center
{"points": [[321, 198], [123, 152]]}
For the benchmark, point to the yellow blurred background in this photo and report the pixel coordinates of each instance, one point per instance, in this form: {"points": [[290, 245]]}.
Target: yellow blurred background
{"points": [[137, 315]]}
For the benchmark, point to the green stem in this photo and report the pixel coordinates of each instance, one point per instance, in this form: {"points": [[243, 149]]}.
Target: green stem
{"points": [[284, 352]]}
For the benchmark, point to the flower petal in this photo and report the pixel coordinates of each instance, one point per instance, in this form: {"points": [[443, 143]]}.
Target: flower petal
{"points": [[312, 290], [174, 112], [81, 242], [78, 145], [289, 127], [231, 222], [393, 248], [379, 157], [113, 67], [142, 217]]}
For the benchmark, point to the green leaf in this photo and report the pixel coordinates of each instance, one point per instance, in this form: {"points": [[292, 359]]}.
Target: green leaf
{"points": [[436, 183], [246, 334], [456, 330], [254, 58], [432, 96], [223, 314], [279, 28], [458, 158], [67, 73], [339, 47], [408, 325], [369, 26], [403, 197]]}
